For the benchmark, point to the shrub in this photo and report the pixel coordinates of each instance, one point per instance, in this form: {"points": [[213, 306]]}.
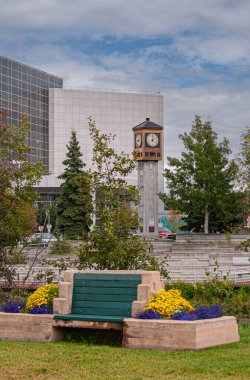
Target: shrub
{"points": [[214, 291], [239, 304], [62, 247], [244, 246], [44, 295], [187, 290], [167, 302], [13, 307]]}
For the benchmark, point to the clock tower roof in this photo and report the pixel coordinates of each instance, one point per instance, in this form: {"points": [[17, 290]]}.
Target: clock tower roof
{"points": [[147, 124]]}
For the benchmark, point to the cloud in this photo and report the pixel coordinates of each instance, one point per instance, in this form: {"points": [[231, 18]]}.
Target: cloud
{"points": [[196, 53], [227, 109], [137, 18]]}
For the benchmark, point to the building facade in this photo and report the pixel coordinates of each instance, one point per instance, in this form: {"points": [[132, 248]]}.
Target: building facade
{"points": [[25, 90], [113, 112], [55, 111]]}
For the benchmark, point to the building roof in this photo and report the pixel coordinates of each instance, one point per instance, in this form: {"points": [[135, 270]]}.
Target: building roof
{"points": [[147, 124]]}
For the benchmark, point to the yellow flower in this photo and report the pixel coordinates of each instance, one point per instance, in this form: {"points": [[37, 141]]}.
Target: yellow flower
{"points": [[166, 302], [44, 295]]}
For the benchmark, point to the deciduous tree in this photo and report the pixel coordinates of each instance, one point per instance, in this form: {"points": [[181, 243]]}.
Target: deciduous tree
{"points": [[201, 183], [110, 244], [18, 176]]}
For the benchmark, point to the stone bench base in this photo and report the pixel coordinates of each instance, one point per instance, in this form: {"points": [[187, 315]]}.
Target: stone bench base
{"points": [[29, 328], [179, 335], [137, 333], [87, 324]]}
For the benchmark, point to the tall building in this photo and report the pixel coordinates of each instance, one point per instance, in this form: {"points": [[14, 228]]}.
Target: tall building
{"points": [[25, 90], [55, 111]]}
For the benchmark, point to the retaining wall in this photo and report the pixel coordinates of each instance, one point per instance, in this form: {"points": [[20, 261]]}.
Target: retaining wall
{"points": [[179, 335], [28, 328]]}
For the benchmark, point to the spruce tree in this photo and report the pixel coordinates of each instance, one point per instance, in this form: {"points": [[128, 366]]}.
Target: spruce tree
{"points": [[74, 205]]}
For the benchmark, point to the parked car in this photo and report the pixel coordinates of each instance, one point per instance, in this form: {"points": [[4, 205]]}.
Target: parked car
{"points": [[41, 237], [134, 232], [165, 233]]}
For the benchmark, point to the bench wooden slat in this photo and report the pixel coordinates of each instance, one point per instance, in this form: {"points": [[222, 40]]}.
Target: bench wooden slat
{"points": [[107, 276], [101, 305], [94, 311], [104, 297], [94, 318], [95, 290], [106, 283]]}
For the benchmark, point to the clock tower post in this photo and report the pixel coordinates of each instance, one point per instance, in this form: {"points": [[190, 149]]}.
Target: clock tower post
{"points": [[148, 141]]}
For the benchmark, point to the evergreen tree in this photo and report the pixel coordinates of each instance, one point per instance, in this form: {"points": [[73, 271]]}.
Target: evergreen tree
{"points": [[74, 205], [201, 183]]}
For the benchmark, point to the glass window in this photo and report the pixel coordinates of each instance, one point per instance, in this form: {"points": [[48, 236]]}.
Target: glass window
{"points": [[15, 91], [25, 77], [24, 69], [14, 65], [14, 74], [5, 95], [5, 62], [5, 70], [14, 82]]}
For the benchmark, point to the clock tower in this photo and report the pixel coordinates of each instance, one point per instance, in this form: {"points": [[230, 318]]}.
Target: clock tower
{"points": [[148, 143]]}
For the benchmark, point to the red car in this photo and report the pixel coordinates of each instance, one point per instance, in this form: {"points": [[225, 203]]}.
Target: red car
{"points": [[165, 233]]}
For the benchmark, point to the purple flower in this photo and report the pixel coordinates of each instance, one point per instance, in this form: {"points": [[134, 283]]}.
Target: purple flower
{"points": [[13, 307], [202, 312], [149, 314], [208, 312], [41, 310]]}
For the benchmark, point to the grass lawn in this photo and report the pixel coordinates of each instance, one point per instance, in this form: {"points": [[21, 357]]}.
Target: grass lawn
{"points": [[71, 361]]}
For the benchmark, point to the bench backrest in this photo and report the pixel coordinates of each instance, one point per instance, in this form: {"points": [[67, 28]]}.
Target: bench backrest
{"points": [[104, 294]]}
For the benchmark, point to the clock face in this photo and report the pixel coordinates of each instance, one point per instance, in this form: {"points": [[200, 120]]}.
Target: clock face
{"points": [[152, 139], [138, 140]]}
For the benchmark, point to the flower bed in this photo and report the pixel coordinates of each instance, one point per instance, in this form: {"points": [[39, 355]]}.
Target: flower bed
{"points": [[39, 302], [169, 322], [160, 334], [30, 319], [169, 304]]}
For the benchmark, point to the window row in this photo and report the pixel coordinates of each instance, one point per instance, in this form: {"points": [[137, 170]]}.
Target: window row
{"points": [[29, 90], [15, 117], [27, 81], [11, 67]]}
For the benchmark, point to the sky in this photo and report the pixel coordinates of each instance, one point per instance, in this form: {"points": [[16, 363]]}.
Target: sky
{"points": [[195, 52]]}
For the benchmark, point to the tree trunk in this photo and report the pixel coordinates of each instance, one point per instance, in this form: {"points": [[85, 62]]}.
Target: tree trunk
{"points": [[206, 220]]}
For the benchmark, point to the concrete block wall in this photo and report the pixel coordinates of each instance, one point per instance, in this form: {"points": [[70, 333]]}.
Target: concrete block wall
{"points": [[179, 335], [28, 328]]}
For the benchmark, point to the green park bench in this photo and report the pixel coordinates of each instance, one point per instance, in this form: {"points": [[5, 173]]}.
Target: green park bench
{"points": [[102, 299]]}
